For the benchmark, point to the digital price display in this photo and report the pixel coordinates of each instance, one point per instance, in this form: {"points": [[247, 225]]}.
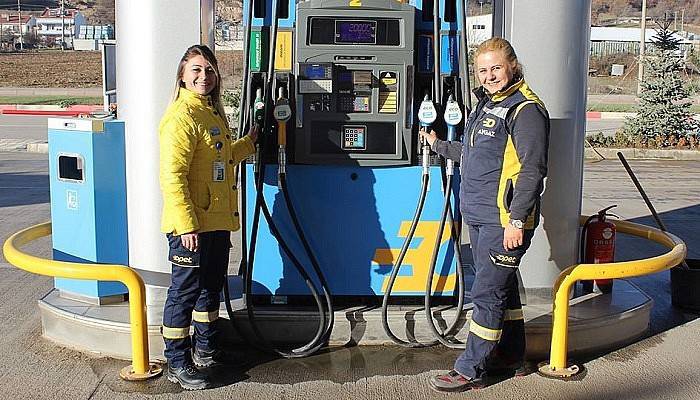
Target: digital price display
{"points": [[353, 32]]}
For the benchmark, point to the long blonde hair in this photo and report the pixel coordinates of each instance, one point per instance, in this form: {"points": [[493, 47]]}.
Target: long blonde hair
{"points": [[504, 46], [215, 94]]}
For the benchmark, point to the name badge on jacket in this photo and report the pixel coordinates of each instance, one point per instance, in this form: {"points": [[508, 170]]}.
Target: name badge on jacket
{"points": [[218, 171]]}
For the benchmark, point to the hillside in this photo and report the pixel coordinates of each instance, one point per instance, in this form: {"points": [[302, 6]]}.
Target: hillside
{"points": [[614, 12]]}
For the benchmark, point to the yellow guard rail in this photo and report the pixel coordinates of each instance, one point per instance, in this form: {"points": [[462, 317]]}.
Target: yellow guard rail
{"points": [[141, 368], [557, 367]]}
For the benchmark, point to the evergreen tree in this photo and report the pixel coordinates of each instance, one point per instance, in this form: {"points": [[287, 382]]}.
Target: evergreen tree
{"points": [[663, 117]]}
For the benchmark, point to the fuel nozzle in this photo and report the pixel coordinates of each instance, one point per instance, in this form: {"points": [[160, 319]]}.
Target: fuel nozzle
{"points": [[282, 114], [452, 116], [427, 114], [259, 108]]}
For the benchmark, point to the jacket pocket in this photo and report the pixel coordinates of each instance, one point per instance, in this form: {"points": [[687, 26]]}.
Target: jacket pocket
{"points": [[199, 193], [218, 197], [508, 195], [179, 255]]}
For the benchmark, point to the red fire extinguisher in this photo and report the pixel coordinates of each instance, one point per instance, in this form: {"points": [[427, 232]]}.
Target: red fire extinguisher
{"points": [[598, 246]]}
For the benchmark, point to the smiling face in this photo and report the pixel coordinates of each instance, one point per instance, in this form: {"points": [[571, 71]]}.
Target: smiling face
{"points": [[493, 71], [199, 75]]}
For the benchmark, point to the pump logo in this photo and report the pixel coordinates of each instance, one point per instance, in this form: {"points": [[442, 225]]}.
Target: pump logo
{"points": [[417, 260], [489, 123]]}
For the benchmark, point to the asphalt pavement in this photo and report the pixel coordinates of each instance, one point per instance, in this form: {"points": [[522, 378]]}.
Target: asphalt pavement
{"points": [[665, 365]]}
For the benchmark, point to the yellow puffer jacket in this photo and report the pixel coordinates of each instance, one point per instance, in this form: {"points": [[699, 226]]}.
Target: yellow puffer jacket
{"points": [[192, 200]]}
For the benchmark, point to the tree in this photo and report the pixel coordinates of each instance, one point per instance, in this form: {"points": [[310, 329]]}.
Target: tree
{"points": [[663, 115]]}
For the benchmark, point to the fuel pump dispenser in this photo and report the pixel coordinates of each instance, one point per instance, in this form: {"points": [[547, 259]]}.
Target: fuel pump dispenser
{"points": [[346, 134], [261, 117]]}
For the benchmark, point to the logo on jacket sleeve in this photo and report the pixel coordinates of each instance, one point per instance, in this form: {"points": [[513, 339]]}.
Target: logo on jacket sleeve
{"points": [[489, 123]]}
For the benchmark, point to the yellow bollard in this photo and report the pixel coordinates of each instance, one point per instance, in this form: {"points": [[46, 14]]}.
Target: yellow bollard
{"points": [[140, 369], [557, 366]]}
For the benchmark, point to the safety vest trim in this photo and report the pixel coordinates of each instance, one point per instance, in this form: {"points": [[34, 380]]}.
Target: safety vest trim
{"points": [[492, 335], [175, 333], [205, 316]]}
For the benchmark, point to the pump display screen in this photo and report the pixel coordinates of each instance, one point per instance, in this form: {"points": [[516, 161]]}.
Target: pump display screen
{"points": [[364, 32]]}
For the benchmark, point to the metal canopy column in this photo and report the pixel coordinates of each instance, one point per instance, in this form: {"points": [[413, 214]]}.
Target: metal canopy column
{"points": [[152, 36], [551, 39]]}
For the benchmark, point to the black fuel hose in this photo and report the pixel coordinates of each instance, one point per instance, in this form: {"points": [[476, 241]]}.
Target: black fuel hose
{"points": [[260, 204], [443, 337], [317, 342], [314, 261], [397, 266]]}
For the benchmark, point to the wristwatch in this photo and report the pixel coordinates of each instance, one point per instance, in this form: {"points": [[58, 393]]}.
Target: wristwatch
{"points": [[516, 223]]}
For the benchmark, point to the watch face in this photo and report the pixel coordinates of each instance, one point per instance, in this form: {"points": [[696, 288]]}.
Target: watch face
{"points": [[517, 223]]}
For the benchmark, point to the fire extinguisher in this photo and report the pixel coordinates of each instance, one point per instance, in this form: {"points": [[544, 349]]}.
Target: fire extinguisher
{"points": [[598, 246]]}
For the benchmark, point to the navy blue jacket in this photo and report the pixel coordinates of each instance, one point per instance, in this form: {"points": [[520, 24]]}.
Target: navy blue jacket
{"points": [[503, 157]]}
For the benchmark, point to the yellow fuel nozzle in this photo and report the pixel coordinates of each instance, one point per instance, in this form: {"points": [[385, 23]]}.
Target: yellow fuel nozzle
{"points": [[282, 113]]}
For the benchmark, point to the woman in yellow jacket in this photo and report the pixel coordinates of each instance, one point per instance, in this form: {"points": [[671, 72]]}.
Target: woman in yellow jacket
{"points": [[200, 208]]}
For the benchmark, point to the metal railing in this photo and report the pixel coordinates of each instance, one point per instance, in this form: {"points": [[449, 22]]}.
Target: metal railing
{"points": [[140, 368], [557, 366]]}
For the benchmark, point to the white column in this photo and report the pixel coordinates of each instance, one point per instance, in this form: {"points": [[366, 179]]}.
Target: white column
{"points": [[551, 39], [151, 38]]}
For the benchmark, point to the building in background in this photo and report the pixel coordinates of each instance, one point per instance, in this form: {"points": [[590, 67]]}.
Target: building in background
{"points": [[11, 27], [612, 40], [52, 28]]}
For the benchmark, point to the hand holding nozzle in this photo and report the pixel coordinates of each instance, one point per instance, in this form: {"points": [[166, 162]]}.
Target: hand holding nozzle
{"points": [[425, 136], [427, 114]]}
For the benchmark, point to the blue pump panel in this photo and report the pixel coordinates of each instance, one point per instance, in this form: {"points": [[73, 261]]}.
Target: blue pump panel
{"points": [[283, 22], [425, 53], [449, 54], [88, 199], [355, 219]]}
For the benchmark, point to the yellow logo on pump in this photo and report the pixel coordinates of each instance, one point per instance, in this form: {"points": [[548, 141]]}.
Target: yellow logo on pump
{"points": [[489, 123], [418, 258], [355, 3]]}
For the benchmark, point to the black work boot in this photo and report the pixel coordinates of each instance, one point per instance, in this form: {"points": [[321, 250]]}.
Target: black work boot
{"points": [[216, 358], [188, 376]]}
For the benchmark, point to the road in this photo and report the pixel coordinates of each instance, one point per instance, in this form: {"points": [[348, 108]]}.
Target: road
{"points": [[23, 127], [608, 126]]}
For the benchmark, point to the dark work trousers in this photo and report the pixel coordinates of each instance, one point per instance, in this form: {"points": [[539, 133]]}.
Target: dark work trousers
{"points": [[497, 329], [194, 288]]}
